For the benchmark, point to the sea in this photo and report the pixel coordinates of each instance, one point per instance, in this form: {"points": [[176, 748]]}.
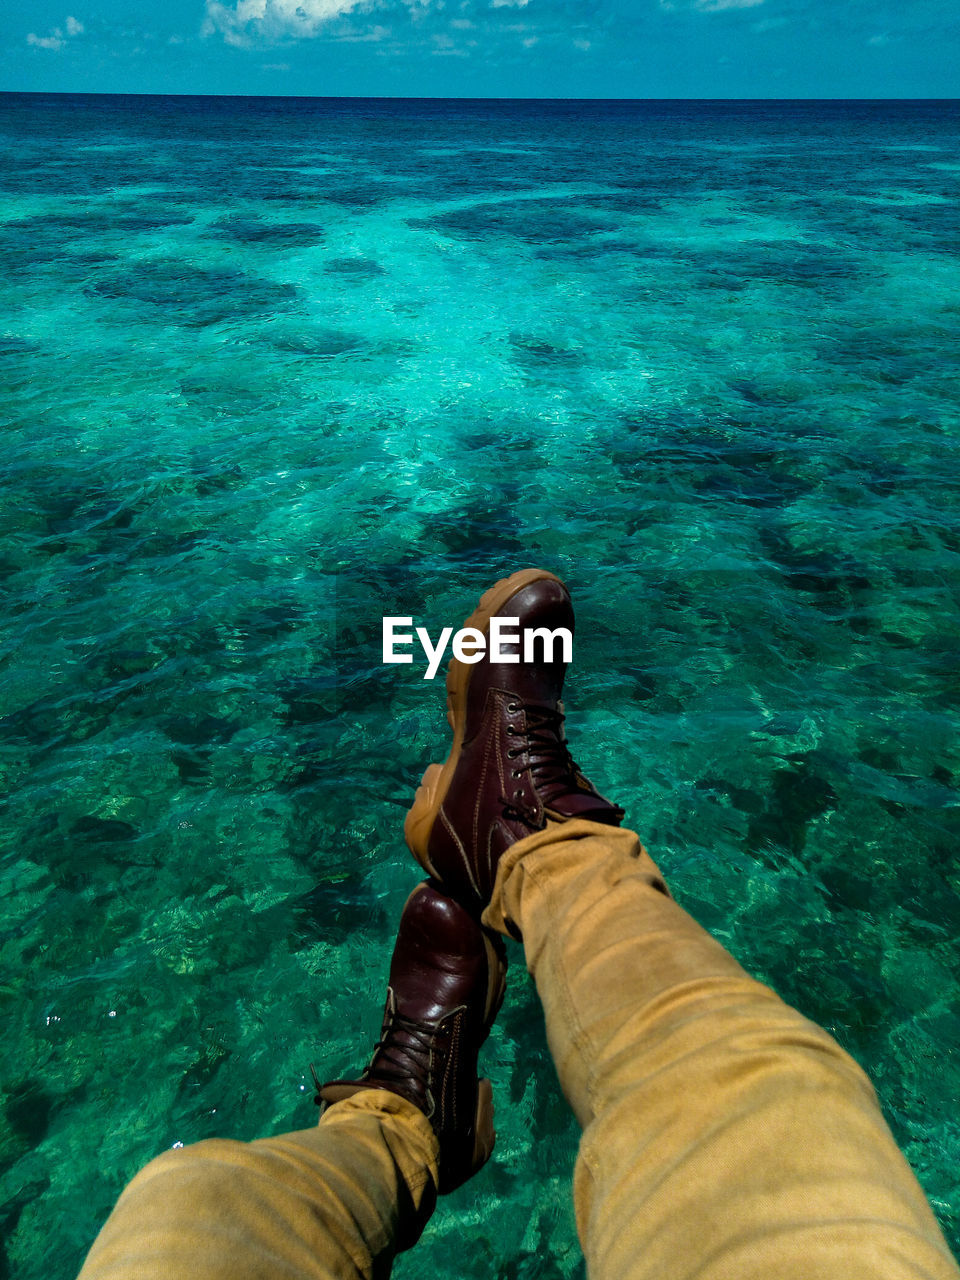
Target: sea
{"points": [[273, 369]]}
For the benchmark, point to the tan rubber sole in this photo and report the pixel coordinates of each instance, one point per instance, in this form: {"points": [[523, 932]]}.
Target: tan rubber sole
{"points": [[484, 1135], [437, 778]]}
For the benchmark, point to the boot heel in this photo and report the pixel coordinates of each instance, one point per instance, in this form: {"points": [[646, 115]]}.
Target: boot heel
{"points": [[484, 1135], [420, 818]]}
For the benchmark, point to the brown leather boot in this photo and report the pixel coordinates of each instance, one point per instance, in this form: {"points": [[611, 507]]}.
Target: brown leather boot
{"points": [[509, 768], [447, 980]]}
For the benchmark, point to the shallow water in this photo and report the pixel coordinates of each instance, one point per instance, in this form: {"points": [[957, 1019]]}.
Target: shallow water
{"points": [[272, 369]]}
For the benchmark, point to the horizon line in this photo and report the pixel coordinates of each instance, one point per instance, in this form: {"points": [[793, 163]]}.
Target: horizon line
{"points": [[367, 97]]}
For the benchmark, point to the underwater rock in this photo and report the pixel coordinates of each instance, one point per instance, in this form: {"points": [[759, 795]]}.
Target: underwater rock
{"points": [[358, 268], [195, 296], [280, 235]]}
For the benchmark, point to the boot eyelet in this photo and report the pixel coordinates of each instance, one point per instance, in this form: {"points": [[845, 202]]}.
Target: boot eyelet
{"points": [[517, 774], [512, 707]]}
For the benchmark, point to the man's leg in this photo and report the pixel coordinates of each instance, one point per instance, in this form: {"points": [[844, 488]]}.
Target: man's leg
{"points": [[333, 1202], [726, 1137], [338, 1201]]}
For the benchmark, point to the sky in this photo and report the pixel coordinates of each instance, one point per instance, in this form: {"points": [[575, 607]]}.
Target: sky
{"points": [[486, 48]]}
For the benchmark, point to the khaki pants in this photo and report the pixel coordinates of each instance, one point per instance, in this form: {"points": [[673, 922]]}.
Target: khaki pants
{"points": [[725, 1137]]}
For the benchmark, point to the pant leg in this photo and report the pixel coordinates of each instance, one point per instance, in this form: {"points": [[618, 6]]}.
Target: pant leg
{"points": [[726, 1137], [334, 1202]]}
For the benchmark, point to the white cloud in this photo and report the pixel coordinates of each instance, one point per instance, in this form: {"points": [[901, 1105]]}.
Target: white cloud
{"points": [[58, 36], [274, 19], [52, 41], [375, 35], [446, 47]]}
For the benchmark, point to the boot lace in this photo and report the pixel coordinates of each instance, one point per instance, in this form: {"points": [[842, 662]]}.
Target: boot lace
{"points": [[402, 1062], [404, 1059], [552, 769]]}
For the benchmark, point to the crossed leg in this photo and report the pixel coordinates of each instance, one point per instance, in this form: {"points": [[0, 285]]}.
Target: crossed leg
{"points": [[726, 1137]]}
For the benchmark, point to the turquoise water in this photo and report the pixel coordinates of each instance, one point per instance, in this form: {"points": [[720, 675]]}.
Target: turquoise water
{"points": [[273, 369]]}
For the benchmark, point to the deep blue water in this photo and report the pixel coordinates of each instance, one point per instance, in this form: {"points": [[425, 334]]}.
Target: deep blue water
{"points": [[270, 369]]}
